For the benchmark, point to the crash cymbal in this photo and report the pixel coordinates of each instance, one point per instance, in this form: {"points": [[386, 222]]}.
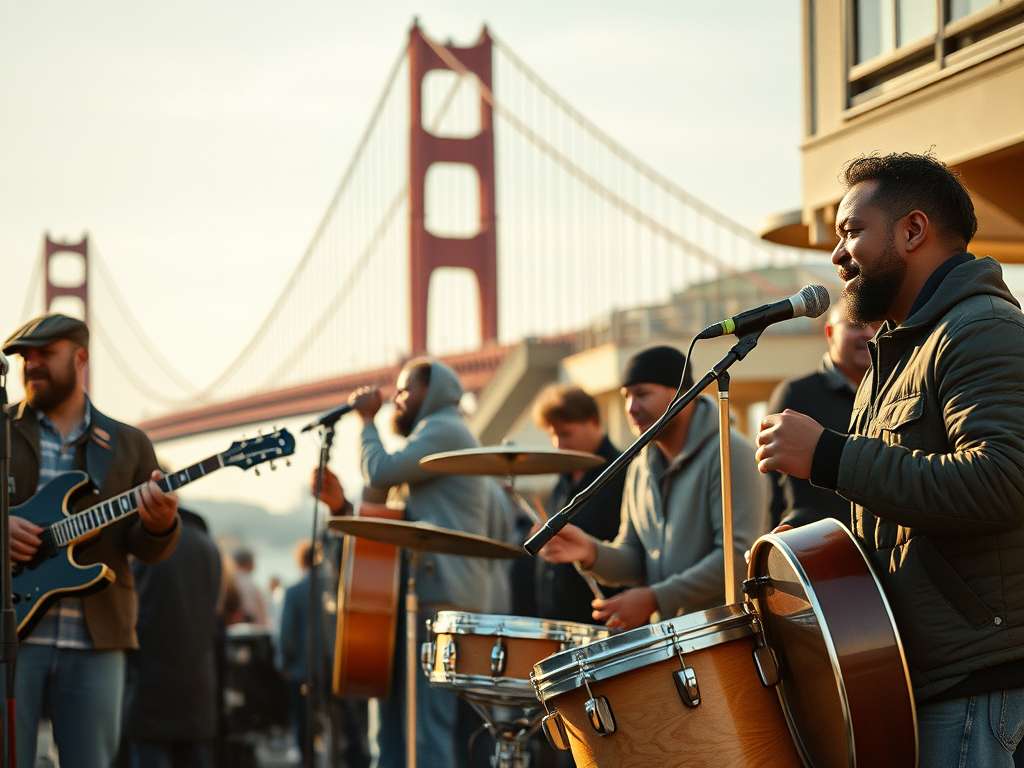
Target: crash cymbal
{"points": [[423, 537], [505, 460]]}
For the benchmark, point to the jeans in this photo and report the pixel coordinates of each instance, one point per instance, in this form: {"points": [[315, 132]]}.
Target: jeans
{"points": [[435, 713], [169, 754], [81, 691], [974, 732]]}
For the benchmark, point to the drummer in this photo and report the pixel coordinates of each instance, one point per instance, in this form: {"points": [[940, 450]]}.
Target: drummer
{"points": [[427, 414], [669, 544]]}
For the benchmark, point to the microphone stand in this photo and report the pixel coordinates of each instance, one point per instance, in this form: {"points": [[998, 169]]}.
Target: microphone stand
{"points": [[315, 599], [8, 619], [557, 522]]}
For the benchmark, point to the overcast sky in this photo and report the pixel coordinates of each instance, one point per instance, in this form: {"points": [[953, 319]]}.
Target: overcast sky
{"points": [[199, 143]]}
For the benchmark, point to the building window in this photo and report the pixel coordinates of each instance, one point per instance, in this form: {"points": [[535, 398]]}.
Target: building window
{"points": [[900, 45]]}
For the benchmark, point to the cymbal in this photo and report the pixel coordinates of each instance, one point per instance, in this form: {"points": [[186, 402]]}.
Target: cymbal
{"points": [[423, 537], [505, 460]]}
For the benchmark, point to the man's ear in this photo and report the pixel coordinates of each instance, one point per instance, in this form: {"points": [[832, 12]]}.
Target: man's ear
{"points": [[81, 357], [915, 230]]}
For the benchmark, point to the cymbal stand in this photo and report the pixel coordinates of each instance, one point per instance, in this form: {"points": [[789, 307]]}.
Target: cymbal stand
{"points": [[510, 735], [412, 609], [535, 516]]}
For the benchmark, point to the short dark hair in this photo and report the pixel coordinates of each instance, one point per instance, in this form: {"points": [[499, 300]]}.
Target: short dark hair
{"points": [[419, 369], [923, 182], [565, 403]]}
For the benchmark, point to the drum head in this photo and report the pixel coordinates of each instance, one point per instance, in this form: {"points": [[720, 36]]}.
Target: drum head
{"points": [[844, 683]]}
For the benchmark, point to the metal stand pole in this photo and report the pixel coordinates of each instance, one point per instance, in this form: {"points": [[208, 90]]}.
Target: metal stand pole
{"points": [[412, 609], [8, 620], [725, 446]]}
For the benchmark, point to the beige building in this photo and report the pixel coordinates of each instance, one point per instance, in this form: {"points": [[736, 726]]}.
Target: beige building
{"points": [[909, 75]]}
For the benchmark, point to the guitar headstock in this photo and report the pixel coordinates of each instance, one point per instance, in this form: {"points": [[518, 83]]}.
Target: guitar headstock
{"points": [[254, 451]]}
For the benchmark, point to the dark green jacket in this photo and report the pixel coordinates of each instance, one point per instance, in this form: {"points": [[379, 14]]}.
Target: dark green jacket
{"points": [[110, 615], [935, 470]]}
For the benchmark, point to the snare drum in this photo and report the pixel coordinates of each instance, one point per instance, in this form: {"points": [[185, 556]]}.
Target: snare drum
{"points": [[689, 692], [490, 657]]}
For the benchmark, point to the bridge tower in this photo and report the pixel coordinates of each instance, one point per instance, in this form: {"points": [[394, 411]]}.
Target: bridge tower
{"points": [[60, 289], [427, 251]]}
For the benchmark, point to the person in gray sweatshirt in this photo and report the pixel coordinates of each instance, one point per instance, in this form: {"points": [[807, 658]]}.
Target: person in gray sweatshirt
{"points": [[427, 414], [669, 545]]}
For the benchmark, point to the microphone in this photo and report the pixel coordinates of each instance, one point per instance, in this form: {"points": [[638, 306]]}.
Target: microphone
{"points": [[812, 301], [328, 418]]}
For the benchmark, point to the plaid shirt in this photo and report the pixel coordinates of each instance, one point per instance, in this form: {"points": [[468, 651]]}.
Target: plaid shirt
{"points": [[63, 624]]}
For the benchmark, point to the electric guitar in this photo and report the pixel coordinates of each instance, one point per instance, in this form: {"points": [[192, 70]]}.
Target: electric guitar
{"points": [[52, 573]]}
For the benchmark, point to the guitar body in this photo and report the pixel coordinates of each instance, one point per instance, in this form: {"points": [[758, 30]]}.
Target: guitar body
{"points": [[53, 572], [367, 612], [844, 682]]}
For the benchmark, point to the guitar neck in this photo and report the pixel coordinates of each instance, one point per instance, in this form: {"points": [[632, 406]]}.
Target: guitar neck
{"points": [[117, 508]]}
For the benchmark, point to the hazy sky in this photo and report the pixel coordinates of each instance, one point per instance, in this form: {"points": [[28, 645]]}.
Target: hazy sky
{"points": [[199, 143]]}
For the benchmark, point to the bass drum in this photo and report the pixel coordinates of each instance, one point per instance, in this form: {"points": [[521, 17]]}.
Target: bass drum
{"points": [[845, 686], [691, 692]]}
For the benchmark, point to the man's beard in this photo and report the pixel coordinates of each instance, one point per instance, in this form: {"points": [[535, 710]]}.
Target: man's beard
{"points": [[870, 295], [402, 421], [45, 399]]}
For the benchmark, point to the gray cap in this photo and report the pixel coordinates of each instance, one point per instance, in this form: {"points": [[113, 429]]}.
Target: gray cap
{"points": [[46, 330]]}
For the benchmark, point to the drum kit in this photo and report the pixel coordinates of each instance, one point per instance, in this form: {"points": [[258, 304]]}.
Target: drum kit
{"points": [[807, 670]]}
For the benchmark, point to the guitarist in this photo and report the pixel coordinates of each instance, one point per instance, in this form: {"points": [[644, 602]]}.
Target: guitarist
{"points": [[426, 412], [74, 659], [934, 462]]}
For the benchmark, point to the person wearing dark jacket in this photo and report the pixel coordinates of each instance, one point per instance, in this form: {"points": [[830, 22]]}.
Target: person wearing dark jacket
{"points": [[570, 417], [934, 462], [170, 702], [72, 663], [827, 397]]}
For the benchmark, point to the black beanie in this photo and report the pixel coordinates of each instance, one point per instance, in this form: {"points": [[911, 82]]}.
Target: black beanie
{"points": [[657, 365]]}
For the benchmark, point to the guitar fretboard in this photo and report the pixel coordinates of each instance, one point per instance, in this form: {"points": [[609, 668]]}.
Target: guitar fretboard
{"points": [[110, 511]]}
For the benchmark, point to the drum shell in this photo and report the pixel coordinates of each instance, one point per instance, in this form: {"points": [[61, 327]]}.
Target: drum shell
{"points": [[739, 722], [459, 656]]}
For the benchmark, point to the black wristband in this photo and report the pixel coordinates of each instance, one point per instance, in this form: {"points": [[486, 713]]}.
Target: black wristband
{"points": [[825, 463]]}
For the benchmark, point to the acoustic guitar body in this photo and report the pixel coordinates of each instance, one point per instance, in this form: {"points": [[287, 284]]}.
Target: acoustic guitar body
{"points": [[368, 596]]}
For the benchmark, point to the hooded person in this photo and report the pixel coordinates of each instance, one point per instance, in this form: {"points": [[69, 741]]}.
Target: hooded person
{"points": [[427, 415]]}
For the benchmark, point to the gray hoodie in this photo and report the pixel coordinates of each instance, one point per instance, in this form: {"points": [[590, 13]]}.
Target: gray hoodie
{"points": [[460, 502]]}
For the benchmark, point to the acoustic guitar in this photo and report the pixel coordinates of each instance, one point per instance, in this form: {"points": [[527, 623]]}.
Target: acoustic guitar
{"points": [[52, 573], [368, 595]]}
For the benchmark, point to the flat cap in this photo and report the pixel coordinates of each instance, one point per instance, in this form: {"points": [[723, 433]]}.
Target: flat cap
{"points": [[46, 330]]}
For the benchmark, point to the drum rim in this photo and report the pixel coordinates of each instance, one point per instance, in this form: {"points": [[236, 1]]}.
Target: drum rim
{"points": [[519, 627], [562, 672]]}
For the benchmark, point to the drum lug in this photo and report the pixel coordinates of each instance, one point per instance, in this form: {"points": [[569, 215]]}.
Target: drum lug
{"points": [[599, 712], [767, 666], [498, 655], [554, 730], [686, 684], [450, 653], [427, 651]]}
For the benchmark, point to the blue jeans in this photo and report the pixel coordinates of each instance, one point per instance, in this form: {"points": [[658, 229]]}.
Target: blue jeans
{"points": [[974, 732], [81, 691], [169, 754], [436, 711]]}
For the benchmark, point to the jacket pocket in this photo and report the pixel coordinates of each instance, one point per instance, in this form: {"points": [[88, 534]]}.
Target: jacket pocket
{"points": [[956, 591], [900, 420]]}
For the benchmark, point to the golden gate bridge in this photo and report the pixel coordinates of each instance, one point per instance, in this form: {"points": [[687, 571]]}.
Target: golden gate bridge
{"points": [[479, 209]]}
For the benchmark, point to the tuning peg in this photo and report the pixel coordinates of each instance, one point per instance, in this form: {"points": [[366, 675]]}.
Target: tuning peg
{"points": [[287, 462], [259, 432], [257, 471], [273, 467]]}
